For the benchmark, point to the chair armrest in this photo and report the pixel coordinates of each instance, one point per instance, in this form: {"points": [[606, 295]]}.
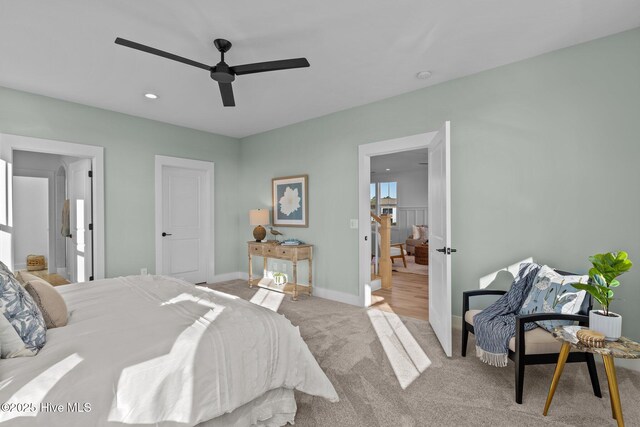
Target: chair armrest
{"points": [[523, 319], [528, 318], [483, 292], [400, 245], [466, 295]]}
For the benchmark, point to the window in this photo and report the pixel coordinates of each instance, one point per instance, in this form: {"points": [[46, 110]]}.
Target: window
{"points": [[374, 200], [387, 203]]}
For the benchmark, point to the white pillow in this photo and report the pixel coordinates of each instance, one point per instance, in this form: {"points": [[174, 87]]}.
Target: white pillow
{"points": [[415, 232], [11, 345]]}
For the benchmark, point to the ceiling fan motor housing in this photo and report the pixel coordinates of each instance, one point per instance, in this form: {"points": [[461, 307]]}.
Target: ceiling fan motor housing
{"points": [[222, 73]]}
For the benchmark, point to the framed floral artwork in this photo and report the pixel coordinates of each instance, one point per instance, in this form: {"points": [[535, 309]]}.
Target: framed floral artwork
{"points": [[290, 201]]}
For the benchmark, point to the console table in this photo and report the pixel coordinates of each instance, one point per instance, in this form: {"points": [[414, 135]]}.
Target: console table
{"points": [[289, 253]]}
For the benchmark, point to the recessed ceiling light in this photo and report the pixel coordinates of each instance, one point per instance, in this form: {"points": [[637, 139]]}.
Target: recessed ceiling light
{"points": [[387, 169], [423, 75], [151, 95]]}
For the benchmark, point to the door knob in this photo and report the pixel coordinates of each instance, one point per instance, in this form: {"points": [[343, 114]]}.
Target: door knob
{"points": [[166, 234], [447, 250]]}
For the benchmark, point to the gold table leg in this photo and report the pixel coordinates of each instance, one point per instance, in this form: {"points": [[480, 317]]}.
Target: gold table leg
{"points": [[562, 359], [614, 393]]}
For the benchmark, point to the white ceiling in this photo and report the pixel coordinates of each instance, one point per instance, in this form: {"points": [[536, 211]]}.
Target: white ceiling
{"points": [[360, 51], [402, 161]]}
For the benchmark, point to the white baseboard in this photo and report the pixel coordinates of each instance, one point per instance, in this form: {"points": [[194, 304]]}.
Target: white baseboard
{"points": [[317, 292], [456, 322], [337, 296]]}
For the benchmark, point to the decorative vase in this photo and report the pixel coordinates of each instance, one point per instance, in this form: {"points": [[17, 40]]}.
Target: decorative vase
{"points": [[610, 326], [280, 279]]}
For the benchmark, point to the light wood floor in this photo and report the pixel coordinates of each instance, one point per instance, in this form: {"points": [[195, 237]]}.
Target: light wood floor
{"points": [[409, 296]]}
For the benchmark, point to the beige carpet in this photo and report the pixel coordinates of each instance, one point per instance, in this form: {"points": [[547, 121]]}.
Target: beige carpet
{"points": [[451, 392], [411, 267]]}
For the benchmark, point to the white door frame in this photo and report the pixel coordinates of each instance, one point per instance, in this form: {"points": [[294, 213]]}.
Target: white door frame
{"points": [[208, 167], [10, 143], [365, 152]]}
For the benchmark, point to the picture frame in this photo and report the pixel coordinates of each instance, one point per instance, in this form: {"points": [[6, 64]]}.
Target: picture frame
{"points": [[290, 197]]}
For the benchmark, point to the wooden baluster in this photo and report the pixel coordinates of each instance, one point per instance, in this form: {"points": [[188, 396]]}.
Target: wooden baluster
{"points": [[385, 251]]}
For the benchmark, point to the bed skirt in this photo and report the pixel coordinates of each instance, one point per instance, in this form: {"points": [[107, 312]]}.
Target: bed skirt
{"points": [[275, 408]]}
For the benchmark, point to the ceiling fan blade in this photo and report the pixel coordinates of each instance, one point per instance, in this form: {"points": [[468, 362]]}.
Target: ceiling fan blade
{"points": [[154, 51], [226, 91], [261, 67]]}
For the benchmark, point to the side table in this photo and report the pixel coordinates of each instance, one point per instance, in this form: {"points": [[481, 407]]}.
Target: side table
{"points": [[623, 348], [422, 254]]}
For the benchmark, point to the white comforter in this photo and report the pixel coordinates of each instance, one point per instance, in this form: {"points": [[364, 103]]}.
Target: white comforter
{"points": [[155, 350]]}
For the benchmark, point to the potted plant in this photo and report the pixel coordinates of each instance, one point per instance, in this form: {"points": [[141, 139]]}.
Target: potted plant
{"points": [[602, 280], [280, 279]]}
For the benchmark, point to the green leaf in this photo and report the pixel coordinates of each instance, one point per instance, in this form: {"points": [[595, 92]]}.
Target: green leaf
{"points": [[599, 280], [584, 287], [614, 283]]}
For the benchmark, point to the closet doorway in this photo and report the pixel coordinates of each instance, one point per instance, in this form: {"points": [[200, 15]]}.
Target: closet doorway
{"points": [[74, 223], [52, 215]]}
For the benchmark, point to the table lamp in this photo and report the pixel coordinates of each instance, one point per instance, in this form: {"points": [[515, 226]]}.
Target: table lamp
{"points": [[259, 217]]}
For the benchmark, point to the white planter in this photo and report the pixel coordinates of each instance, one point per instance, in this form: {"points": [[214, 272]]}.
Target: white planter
{"points": [[610, 326]]}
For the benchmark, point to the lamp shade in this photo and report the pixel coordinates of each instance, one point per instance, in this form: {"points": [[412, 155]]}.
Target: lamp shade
{"points": [[258, 217]]}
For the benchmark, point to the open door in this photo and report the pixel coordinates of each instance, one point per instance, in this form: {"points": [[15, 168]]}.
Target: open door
{"points": [[80, 219], [440, 238]]}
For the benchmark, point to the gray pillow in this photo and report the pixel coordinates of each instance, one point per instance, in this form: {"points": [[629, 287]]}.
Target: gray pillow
{"points": [[49, 301], [424, 232]]}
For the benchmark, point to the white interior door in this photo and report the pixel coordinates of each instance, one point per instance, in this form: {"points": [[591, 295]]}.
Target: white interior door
{"points": [[440, 238], [80, 221], [184, 238]]}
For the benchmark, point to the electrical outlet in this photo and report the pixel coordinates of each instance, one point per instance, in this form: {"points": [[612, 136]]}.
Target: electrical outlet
{"points": [[143, 272], [353, 223]]}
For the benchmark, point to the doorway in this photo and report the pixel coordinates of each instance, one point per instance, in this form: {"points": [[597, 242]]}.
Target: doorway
{"points": [[439, 230], [399, 190], [26, 156], [184, 219]]}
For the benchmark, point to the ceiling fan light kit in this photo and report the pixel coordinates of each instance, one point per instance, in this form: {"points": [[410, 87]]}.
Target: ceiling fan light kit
{"points": [[221, 72]]}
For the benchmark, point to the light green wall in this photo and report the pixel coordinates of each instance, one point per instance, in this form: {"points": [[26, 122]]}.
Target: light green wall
{"points": [[130, 146], [538, 148], [545, 163]]}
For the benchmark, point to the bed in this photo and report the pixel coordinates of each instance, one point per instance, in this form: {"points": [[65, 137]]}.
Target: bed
{"points": [[153, 350]]}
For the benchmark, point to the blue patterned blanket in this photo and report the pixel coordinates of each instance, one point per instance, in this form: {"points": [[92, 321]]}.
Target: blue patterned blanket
{"points": [[496, 324]]}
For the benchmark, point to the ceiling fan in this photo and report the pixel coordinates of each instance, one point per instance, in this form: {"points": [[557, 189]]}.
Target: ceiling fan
{"points": [[221, 72]]}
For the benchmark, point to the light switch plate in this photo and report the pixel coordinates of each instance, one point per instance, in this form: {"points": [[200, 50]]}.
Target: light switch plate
{"points": [[353, 223]]}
